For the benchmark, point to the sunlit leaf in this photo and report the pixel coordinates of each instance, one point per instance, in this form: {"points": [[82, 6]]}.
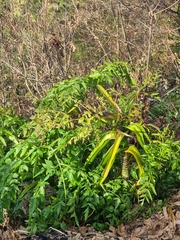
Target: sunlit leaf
{"points": [[109, 98], [109, 136], [110, 162], [134, 151], [140, 132], [3, 141]]}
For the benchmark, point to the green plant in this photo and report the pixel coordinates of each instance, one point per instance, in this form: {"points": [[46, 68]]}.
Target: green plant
{"points": [[123, 149], [163, 158], [58, 138], [10, 128], [54, 170]]}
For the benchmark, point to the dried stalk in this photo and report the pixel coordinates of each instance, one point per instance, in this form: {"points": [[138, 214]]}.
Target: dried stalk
{"points": [[124, 33], [96, 38]]}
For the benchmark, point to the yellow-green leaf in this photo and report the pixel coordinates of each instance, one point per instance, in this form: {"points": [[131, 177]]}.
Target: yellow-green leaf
{"points": [[109, 98], [109, 136], [110, 162], [140, 132], [3, 141], [134, 151]]}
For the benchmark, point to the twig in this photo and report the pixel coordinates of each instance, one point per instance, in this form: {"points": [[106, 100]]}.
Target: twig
{"points": [[96, 38], [149, 41], [101, 59], [56, 230], [11, 67], [167, 7], [124, 33], [172, 90], [25, 79], [22, 232], [153, 101]]}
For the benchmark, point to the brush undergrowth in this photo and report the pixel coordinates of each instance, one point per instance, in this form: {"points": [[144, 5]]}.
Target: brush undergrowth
{"points": [[87, 155]]}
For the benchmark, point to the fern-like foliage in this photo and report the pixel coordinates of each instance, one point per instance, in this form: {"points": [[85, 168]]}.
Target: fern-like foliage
{"points": [[75, 104], [55, 150]]}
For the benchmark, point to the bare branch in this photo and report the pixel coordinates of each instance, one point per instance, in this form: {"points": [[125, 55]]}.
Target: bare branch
{"points": [[167, 7]]}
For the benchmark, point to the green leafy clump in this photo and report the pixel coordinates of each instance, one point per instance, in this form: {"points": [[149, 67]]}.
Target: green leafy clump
{"points": [[10, 128], [87, 155]]}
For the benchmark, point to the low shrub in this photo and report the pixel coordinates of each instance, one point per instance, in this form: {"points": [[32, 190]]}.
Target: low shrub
{"points": [[60, 172]]}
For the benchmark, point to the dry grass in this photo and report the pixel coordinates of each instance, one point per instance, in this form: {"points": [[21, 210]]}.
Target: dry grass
{"points": [[43, 42]]}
